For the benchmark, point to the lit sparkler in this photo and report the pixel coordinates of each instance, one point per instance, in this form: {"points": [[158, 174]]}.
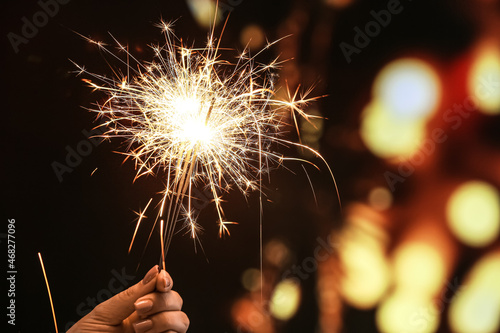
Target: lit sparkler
{"points": [[200, 120]]}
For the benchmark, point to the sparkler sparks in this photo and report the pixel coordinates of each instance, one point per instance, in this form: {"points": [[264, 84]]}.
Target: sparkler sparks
{"points": [[199, 120]]}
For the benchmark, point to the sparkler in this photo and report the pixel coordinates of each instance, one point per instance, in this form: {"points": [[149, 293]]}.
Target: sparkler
{"points": [[200, 120], [48, 291]]}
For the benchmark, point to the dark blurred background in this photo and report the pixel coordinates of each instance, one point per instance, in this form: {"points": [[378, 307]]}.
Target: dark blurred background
{"points": [[410, 129]]}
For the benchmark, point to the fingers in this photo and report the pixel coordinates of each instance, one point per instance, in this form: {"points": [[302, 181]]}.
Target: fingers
{"points": [[160, 311], [175, 321], [164, 282], [118, 308], [158, 302]]}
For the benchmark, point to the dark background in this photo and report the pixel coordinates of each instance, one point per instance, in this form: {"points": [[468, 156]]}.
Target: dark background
{"points": [[83, 225]]}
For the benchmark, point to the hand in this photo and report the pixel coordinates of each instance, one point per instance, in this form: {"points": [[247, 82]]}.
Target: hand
{"points": [[138, 309]]}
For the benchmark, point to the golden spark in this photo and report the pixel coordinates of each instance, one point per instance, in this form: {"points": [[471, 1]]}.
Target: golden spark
{"points": [[199, 120]]}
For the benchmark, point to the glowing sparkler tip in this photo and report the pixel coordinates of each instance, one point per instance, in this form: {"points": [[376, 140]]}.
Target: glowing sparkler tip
{"points": [[198, 120]]}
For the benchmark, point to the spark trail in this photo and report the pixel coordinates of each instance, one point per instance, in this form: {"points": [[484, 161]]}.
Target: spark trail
{"points": [[197, 120]]}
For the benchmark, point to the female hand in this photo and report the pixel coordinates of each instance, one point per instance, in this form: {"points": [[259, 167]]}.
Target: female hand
{"points": [[150, 306]]}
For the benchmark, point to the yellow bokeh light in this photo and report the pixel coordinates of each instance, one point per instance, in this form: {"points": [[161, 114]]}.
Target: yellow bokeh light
{"points": [[253, 36], [366, 274], [203, 12], [486, 273], [407, 313], [419, 268], [250, 279], [380, 198], [285, 300], [473, 213], [476, 306], [408, 88], [475, 311], [311, 130], [388, 136], [484, 78], [276, 253]]}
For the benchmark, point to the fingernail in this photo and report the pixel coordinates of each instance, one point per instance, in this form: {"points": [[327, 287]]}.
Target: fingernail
{"points": [[151, 274], [167, 283], [143, 306], [143, 326]]}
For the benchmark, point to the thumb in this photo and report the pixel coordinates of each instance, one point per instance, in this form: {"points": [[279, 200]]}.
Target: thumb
{"points": [[164, 282], [119, 307]]}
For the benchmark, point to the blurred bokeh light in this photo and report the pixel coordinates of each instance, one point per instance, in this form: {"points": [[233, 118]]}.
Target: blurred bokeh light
{"points": [[311, 131], [412, 263], [476, 307], [406, 93], [365, 268], [380, 198], [250, 279], [408, 89], [473, 213], [389, 136], [408, 313], [253, 36], [285, 300], [484, 78], [203, 12]]}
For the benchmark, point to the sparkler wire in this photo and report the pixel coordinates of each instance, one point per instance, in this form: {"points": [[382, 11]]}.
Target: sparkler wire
{"points": [[48, 291]]}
